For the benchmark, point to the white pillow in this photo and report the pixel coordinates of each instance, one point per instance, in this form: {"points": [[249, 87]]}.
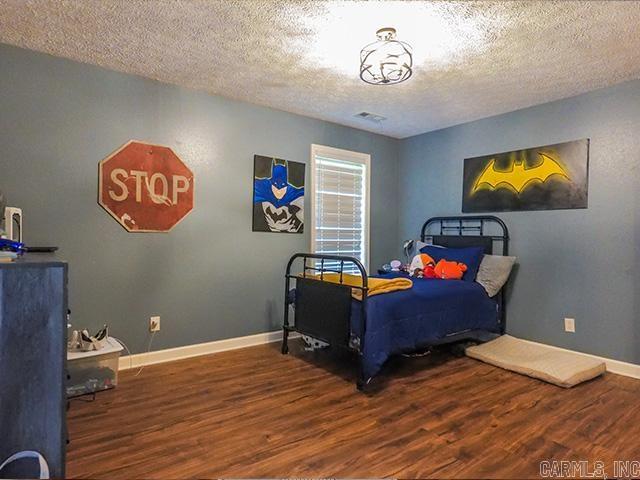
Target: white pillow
{"points": [[494, 271]]}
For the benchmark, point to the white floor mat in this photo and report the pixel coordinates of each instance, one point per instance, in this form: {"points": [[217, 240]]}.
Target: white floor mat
{"points": [[564, 369]]}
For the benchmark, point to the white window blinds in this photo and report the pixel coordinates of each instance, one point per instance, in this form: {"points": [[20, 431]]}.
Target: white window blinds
{"points": [[340, 196]]}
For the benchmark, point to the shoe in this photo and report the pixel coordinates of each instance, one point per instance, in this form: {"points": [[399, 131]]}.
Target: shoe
{"points": [[87, 342], [74, 341], [102, 334]]}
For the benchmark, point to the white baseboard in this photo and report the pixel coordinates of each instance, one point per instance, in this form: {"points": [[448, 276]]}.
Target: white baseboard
{"points": [[168, 355], [614, 366], [188, 351]]}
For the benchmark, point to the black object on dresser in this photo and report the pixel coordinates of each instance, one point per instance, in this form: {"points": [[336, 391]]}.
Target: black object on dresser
{"points": [[33, 337]]}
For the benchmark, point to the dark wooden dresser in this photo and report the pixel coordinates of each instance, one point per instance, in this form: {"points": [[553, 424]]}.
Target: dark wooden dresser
{"points": [[33, 333]]}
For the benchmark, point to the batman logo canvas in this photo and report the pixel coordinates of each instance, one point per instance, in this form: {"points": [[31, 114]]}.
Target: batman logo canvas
{"points": [[278, 195], [550, 177]]}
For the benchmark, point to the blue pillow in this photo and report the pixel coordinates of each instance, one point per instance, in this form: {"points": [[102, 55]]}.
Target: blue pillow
{"points": [[470, 256]]}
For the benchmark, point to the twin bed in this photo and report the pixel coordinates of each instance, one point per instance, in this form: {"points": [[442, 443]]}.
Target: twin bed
{"points": [[432, 312]]}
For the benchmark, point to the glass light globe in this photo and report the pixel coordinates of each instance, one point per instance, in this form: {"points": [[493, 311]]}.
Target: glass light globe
{"points": [[387, 60]]}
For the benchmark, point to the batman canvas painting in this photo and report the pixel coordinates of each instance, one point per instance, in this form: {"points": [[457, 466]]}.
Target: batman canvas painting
{"points": [[278, 195], [551, 177]]}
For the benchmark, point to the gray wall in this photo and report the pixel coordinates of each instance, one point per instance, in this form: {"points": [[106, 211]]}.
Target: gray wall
{"points": [[211, 277], [572, 263]]}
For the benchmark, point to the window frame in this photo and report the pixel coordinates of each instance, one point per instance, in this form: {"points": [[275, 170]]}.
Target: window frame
{"points": [[348, 156]]}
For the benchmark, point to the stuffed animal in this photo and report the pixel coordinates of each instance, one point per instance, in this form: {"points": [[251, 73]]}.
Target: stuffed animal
{"points": [[420, 262], [447, 270], [429, 272], [395, 265], [423, 266]]}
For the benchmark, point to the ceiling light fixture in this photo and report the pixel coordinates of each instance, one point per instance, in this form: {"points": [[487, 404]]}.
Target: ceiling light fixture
{"points": [[387, 60]]}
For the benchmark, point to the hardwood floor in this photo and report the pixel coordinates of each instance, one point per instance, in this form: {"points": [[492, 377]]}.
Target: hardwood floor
{"points": [[256, 413]]}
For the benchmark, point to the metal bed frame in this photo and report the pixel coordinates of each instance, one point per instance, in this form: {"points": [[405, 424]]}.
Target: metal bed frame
{"points": [[323, 309]]}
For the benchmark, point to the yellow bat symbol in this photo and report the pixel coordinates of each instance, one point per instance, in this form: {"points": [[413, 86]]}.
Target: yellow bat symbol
{"points": [[519, 177]]}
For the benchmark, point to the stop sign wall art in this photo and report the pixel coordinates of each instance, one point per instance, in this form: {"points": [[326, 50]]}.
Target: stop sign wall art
{"points": [[145, 187]]}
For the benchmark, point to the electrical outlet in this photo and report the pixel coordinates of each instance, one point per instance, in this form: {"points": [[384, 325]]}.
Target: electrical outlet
{"points": [[570, 325], [154, 324]]}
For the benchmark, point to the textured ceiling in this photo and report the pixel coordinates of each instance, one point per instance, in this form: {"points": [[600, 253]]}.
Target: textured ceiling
{"points": [[472, 59]]}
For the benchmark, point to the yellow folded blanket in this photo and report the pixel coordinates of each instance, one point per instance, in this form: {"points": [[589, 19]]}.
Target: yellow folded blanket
{"points": [[375, 286]]}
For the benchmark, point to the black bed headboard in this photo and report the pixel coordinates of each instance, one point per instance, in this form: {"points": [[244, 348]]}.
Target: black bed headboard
{"points": [[484, 231]]}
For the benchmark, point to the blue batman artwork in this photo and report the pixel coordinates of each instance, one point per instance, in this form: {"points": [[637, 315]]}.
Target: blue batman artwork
{"points": [[278, 204]]}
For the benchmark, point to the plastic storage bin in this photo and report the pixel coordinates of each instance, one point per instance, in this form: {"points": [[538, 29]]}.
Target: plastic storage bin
{"points": [[93, 371]]}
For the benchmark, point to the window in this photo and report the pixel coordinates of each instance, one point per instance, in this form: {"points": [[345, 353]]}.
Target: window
{"points": [[340, 202]]}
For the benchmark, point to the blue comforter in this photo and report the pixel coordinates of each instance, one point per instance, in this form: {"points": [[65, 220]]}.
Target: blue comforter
{"points": [[426, 313]]}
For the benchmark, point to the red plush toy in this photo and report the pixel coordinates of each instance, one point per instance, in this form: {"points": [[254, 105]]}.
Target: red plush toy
{"points": [[446, 270], [429, 272]]}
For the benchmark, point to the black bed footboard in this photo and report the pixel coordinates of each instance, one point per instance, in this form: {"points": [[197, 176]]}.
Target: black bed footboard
{"points": [[323, 308]]}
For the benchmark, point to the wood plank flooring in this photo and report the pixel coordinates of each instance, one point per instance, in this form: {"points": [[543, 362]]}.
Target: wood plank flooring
{"points": [[256, 413]]}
